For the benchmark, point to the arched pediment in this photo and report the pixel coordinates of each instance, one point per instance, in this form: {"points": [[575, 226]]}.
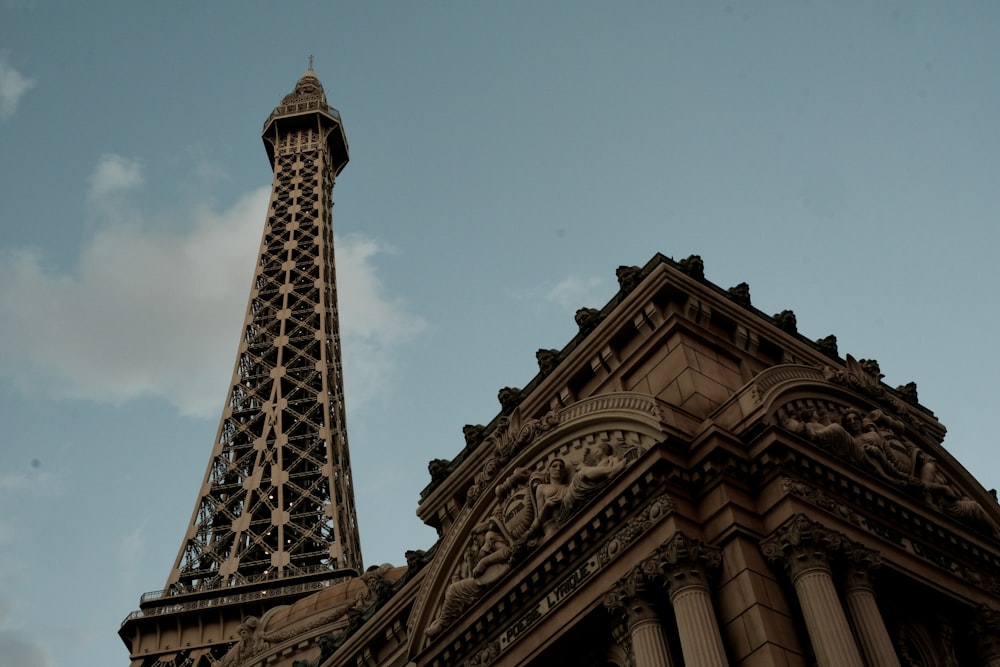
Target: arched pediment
{"points": [[539, 474], [851, 414]]}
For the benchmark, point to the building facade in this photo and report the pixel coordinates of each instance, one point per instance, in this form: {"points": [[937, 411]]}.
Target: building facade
{"points": [[688, 482]]}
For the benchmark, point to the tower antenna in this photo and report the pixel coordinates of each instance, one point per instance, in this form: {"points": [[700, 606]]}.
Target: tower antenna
{"points": [[310, 61]]}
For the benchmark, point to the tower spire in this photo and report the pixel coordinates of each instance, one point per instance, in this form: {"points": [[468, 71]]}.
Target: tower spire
{"points": [[275, 516], [277, 501]]}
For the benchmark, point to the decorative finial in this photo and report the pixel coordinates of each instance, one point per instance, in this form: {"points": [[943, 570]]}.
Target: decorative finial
{"points": [[310, 61]]}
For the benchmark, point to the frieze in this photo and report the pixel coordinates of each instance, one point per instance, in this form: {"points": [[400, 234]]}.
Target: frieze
{"points": [[892, 534], [635, 528]]}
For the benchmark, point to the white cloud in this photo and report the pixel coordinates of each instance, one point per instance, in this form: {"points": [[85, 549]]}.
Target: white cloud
{"points": [[157, 311], [18, 650], [574, 292], [371, 323], [22, 486], [112, 175], [15, 646], [131, 552], [13, 86]]}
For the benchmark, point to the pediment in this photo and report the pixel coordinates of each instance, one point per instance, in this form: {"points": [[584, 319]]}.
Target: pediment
{"points": [[850, 414], [538, 477]]}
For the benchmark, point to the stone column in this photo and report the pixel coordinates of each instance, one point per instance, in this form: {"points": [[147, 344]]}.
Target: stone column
{"points": [[683, 564], [987, 628], [863, 610], [802, 546], [648, 648]]}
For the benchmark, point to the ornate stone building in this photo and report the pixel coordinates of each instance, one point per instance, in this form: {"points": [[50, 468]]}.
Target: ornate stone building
{"points": [[688, 481]]}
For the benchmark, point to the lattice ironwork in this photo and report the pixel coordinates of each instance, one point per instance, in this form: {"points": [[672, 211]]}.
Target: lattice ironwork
{"points": [[277, 499]]}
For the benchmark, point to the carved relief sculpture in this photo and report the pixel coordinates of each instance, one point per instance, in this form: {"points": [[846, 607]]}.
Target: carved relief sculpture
{"points": [[251, 643], [532, 505], [561, 491], [873, 441]]}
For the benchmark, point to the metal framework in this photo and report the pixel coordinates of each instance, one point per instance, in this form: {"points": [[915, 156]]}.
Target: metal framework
{"points": [[277, 499]]}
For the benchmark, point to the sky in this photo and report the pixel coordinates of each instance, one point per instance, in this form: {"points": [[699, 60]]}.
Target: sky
{"points": [[841, 158]]}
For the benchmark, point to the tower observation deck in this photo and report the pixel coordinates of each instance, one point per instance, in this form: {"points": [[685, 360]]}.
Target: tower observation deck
{"points": [[275, 517]]}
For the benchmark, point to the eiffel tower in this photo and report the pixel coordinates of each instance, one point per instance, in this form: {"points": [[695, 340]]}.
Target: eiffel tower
{"points": [[275, 519]]}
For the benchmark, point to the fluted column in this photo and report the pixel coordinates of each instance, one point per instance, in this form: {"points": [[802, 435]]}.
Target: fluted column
{"points": [[987, 627], [802, 546], [645, 632], [682, 564], [862, 607]]}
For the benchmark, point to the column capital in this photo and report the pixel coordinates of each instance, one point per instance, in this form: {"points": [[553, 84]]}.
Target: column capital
{"points": [[681, 562], [628, 596], [802, 545], [862, 563]]}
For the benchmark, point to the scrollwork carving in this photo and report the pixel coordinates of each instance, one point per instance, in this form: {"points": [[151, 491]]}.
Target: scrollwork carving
{"points": [[486, 656], [865, 377], [636, 526], [506, 444]]}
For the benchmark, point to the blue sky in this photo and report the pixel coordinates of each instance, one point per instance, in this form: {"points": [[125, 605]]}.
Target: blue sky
{"points": [[841, 158]]}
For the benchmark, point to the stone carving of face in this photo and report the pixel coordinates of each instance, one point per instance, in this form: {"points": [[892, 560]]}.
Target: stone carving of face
{"points": [[557, 470], [852, 422]]}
